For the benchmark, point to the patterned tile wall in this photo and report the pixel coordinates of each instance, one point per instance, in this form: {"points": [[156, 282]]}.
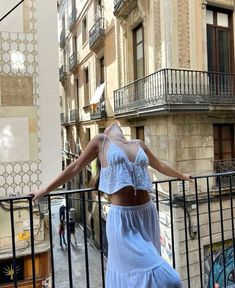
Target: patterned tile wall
{"points": [[21, 49]]}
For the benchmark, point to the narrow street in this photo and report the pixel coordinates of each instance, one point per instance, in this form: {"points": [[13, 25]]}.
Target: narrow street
{"points": [[77, 256]]}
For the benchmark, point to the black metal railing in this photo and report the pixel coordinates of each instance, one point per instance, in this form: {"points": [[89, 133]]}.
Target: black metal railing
{"points": [[99, 110], [73, 115], [197, 231], [175, 89], [63, 72], [63, 118], [73, 60], [123, 7], [72, 18], [62, 38], [97, 32]]}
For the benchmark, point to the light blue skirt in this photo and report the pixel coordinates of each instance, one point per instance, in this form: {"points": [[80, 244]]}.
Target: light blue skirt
{"points": [[134, 259]]}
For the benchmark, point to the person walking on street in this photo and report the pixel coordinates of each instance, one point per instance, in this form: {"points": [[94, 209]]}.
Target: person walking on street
{"points": [[132, 225], [72, 230], [62, 212], [62, 233]]}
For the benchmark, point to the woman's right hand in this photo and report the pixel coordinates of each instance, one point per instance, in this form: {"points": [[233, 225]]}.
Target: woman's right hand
{"points": [[38, 194]]}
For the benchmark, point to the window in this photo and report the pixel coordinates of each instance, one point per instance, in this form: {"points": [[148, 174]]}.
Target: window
{"points": [[223, 141], [84, 31], [138, 45], [86, 87], [77, 92], [102, 70], [140, 133], [219, 44], [75, 43]]}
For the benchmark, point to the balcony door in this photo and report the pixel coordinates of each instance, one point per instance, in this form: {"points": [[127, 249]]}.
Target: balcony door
{"points": [[224, 153], [220, 51], [138, 47]]}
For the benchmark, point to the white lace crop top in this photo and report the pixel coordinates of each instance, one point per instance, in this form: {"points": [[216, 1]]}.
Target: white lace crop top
{"points": [[121, 172]]}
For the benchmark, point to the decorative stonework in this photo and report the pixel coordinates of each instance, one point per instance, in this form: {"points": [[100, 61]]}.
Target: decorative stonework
{"points": [[204, 3], [184, 35], [19, 58], [157, 35]]}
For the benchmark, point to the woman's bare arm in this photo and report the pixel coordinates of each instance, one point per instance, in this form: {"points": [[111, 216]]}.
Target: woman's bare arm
{"points": [[89, 154], [155, 163]]}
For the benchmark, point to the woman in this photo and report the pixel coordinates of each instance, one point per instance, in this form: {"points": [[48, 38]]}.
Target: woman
{"points": [[132, 224]]}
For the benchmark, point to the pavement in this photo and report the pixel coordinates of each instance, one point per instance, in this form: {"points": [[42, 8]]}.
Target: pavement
{"points": [[77, 256]]}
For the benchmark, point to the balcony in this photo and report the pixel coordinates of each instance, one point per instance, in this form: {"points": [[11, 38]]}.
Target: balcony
{"points": [[223, 166], [63, 119], [62, 38], [122, 8], [172, 90], [96, 35], [72, 19], [197, 235], [63, 73], [99, 111], [73, 116], [73, 61]]}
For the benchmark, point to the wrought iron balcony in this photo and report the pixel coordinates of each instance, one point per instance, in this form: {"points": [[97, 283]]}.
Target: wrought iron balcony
{"points": [[73, 61], [223, 166], [72, 19], [73, 115], [197, 235], [96, 34], [123, 7], [175, 90], [62, 38], [63, 119], [99, 111], [63, 73]]}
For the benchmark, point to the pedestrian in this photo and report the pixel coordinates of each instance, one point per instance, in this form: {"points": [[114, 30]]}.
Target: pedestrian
{"points": [[132, 223], [62, 212], [62, 233], [72, 230]]}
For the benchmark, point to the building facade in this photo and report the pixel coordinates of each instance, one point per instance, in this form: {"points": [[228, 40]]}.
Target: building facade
{"points": [[30, 144], [168, 69]]}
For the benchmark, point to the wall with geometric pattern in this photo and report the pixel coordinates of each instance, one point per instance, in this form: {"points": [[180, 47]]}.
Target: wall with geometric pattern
{"points": [[22, 153]]}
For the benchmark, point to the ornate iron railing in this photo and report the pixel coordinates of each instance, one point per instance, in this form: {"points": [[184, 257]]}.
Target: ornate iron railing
{"points": [[96, 32], [73, 115], [62, 72], [72, 18], [175, 89], [99, 110], [73, 60], [63, 118], [62, 38], [123, 7]]}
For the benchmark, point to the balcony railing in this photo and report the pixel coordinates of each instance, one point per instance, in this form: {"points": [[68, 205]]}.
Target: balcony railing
{"points": [[62, 38], [63, 73], [73, 115], [73, 61], [175, 90], [63, 118], [197, 233], [72, 19], [96, 34], [99, 111], [123, 7], [222, 166]]}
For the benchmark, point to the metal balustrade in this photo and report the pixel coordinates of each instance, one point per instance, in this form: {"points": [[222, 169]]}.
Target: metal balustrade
{"points": [[197, 230], [96, 33], [73, 60], [175, 89]]}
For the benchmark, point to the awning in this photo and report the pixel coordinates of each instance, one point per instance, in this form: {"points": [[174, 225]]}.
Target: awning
{"points": [[98, 93]]}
